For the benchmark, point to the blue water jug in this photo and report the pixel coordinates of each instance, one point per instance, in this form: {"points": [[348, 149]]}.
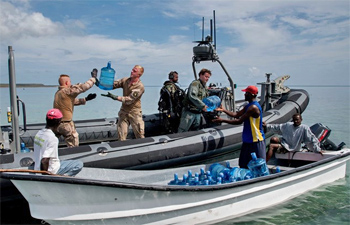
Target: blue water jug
{"points": [[258, 166], [190, 177], [107, 77], [219, 180], [210, 180], [238, 174], [184, 180], [202, 175], [212, 102], [175, 181], [216, 168], [24, 148], [278, 170], [195, 182]]}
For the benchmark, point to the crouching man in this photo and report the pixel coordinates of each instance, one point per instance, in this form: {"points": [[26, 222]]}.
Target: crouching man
{"points": [[46, 149]]}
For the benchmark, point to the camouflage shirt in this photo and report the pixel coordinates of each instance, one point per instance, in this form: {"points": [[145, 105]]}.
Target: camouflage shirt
{"points": [[131, 99]]}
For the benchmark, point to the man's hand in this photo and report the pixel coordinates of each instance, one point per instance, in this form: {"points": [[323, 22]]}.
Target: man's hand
{"points": [[217, 120], [205, 108], [220, 109], [94, 73], [90, 97], [110, 95]]}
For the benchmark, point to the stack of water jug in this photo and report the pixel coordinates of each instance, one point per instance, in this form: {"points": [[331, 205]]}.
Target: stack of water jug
{"points": [[219, 174]]}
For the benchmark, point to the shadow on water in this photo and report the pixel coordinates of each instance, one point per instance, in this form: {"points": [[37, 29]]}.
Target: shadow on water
{"points": [[17, 212]]}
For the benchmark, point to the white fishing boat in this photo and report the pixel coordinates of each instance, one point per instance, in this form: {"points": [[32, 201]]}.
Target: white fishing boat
{"points": [[110, 196]]}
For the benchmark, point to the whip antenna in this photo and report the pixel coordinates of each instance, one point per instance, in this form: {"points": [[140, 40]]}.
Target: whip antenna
{"points": [[214, 29], [203, 29]]}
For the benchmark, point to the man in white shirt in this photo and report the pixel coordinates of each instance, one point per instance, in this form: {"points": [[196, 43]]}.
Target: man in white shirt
{"points": [[46, 149], [293, 135]]}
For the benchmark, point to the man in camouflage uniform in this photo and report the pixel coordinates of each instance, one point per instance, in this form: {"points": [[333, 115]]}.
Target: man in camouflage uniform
{"points": [[65, 100], [130, 112], [170, 103], [193, 104], [170, 84]]}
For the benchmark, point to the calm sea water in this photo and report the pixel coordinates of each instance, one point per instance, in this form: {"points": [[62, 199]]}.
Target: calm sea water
{"points": [[329, 204]]}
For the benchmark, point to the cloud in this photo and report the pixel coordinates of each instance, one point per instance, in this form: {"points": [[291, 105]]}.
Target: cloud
{"points": [[16, 24], [297, 22], [254, 37]]}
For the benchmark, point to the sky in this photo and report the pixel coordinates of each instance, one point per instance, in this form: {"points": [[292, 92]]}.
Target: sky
{"points": [[308, 40]]}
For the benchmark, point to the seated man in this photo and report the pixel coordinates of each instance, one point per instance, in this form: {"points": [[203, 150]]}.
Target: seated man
{"points": [[46, 149], [293, 135]]}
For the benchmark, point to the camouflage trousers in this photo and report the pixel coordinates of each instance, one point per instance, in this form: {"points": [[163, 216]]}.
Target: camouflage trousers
{"points": [[131, 118], [189, 121], [68, 131]]}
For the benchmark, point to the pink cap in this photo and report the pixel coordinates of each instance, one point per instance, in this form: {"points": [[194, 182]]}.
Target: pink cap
{"points": [[54, 114], [251, 89]]}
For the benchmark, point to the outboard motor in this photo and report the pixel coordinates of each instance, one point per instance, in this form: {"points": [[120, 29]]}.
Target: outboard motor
{"points": [[322, 133]]}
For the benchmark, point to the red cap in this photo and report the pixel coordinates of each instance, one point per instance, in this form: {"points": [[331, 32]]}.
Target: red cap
{"points": [[54, 114], [251, 89]]}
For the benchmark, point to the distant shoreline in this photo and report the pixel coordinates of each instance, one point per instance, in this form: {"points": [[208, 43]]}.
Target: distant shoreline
{"points": [[28, 85]]}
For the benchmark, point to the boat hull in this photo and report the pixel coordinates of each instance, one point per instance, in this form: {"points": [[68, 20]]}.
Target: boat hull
{"points": [[84, 201], [162, 151]]}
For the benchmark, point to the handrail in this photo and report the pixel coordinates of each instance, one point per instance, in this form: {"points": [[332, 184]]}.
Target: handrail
{"points": [[27, 171]]}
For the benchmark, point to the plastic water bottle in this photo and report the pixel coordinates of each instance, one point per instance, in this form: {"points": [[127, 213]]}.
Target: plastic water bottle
{"points": [[211, 180], [202, 175], [212, 102], [258, 166], [107, 77], [245, 174], [184, 180], [190, 178], [175, 181], [216, 168], [238, 174], [24, 149], [278, 169], [195, 182], [219, 180]]}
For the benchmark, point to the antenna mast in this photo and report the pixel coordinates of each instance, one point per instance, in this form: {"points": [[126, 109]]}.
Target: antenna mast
{"points": [[203, 29], [214, 29], [206, 51]]}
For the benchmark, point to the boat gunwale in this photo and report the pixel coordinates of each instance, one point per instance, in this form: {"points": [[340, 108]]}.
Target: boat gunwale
{"points": [[153, 187]]}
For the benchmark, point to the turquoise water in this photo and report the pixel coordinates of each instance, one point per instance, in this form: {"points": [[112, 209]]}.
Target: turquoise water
{"points": [[329, 204]]}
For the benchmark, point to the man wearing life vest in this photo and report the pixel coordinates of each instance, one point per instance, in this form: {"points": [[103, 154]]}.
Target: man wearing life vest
{"points": [[170, 103], [193, 104], [253, 136]]}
